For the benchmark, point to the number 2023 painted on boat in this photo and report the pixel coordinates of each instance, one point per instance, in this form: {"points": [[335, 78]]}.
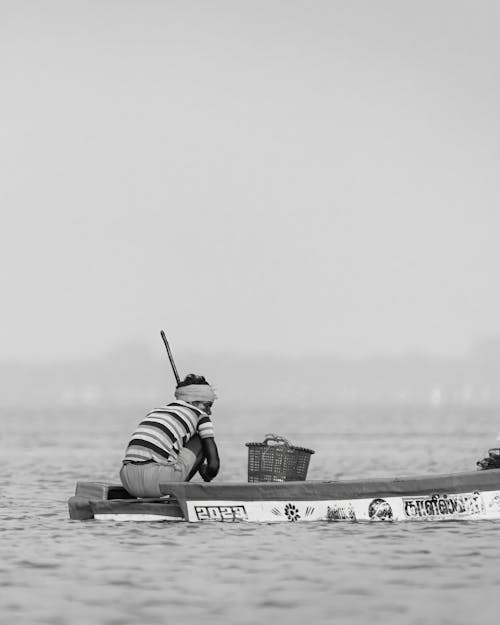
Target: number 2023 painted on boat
{"points": [[220, 513]]}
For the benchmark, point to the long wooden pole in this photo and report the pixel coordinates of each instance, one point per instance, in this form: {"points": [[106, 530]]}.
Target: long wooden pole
{"points": [[170, 357]]}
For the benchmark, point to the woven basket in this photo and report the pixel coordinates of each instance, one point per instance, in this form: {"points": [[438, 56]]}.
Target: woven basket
{"points": [[275, 460]]}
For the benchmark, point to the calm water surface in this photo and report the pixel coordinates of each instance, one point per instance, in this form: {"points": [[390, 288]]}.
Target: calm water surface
{"points": [[57, 571]]}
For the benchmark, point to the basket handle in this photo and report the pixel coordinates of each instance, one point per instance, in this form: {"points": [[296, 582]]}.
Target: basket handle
{"points": [[276, 440]]}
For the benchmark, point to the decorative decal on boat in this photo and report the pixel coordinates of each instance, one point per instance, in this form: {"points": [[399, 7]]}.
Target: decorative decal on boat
{"points": [[276, 511], [221, 513], [309, 511], [292, 512], [340, 512], [380, 510], [494, 503], [443, 505]]}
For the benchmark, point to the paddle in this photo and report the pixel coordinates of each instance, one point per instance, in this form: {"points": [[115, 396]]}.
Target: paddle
{"points": [[174, 368]]}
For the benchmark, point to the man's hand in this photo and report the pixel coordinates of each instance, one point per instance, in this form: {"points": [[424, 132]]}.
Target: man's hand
{"points": [[208, 471]]}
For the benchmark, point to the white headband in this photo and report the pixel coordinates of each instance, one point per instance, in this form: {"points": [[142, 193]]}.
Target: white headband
{"points": [[195, 392]]}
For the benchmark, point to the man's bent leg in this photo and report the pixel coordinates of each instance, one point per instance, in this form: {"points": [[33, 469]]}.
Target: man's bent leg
{"points": [[143, 480]]}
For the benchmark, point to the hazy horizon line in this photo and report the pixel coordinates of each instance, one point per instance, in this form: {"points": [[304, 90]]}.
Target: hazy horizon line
{"points": [[144, 350]]}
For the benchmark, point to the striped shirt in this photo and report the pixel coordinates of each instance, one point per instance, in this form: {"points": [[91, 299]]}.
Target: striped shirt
{"points": [[164, 431]]}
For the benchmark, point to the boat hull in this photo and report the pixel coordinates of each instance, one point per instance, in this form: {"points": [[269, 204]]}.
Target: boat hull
{"points": [[461, 496], [472, 495], [111, 502]]}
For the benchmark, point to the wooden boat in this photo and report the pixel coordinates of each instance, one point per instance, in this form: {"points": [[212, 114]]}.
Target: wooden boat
{"points": [[460, 496]]}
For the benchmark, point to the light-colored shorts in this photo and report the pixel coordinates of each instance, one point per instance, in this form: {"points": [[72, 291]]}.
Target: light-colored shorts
{"points": [[143, 480]]}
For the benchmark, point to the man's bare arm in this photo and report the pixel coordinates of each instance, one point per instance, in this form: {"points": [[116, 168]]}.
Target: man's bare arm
{"points": [[209, 470]]}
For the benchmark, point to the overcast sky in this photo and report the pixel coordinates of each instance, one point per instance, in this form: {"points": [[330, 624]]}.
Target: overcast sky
{"points": [[261, 176]]}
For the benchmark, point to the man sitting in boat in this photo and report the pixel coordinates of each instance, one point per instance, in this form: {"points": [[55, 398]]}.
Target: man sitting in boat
{"points": [[173, 442]]}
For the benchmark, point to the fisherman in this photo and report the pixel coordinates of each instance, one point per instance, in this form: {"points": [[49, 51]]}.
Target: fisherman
{"points": [[173, 442]]}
